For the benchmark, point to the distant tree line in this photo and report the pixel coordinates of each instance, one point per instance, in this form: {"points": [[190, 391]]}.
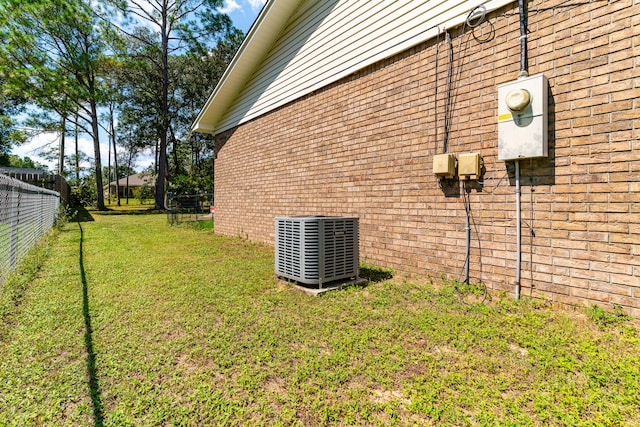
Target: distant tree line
{"points": [[137, 72]]}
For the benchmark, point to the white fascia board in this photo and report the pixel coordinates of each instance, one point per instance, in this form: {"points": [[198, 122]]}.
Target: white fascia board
{"points": [[212, 118], [262, 34], [409, 38]]}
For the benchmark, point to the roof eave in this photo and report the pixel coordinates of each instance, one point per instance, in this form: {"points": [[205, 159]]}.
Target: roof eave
{"points": [[261, 36]]}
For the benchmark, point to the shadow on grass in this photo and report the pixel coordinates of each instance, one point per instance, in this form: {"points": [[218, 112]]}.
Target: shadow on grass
{"points": [[94, 387], [121, 211], [81, 214], [375, 274]]}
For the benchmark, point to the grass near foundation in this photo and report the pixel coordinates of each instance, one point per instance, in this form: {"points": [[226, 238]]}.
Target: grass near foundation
{"points": [[133, 322]]}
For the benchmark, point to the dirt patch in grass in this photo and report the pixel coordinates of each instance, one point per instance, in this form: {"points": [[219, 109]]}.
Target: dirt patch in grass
{"points": [[190, 328]]}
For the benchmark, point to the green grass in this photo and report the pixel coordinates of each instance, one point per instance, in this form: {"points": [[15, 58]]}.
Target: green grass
{"points": [[131, 321]]}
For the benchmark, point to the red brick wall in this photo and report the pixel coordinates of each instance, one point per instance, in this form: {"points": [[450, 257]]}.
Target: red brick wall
{"points": [[364, 146]]}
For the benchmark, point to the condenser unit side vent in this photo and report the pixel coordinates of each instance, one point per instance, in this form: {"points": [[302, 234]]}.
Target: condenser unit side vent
{"points": [[316, 250]]}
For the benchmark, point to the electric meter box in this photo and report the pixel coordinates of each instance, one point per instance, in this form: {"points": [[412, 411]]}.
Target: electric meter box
{"points": [[523, 118]]}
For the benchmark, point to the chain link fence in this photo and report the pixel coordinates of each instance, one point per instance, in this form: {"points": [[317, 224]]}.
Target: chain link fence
{"points": [[189, 207], [26, 213]]}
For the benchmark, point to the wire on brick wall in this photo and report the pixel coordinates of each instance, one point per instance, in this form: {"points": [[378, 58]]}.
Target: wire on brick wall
{"points": [[435, 102], [531, 230], [467, 229], [566, 4], [448, 98], [465, 287], [474, 22], [475, 18]]}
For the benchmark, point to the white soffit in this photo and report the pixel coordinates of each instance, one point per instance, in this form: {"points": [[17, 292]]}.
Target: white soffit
{"points": [[260, 38], [318, 43]]}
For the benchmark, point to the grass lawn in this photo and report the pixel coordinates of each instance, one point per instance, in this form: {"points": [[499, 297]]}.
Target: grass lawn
{"points": [[130, 321]]}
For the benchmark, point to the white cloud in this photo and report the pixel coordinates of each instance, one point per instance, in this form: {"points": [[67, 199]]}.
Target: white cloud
{"points": [[256, 4], [230, 6], [144, 159], [38, 146]]}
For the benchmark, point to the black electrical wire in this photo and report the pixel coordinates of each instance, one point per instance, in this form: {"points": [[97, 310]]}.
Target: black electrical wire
{"points": [[467, 208], [561, 5], [531, 230], [474, 19], [465, 287], [435, 102], [448, 98]]}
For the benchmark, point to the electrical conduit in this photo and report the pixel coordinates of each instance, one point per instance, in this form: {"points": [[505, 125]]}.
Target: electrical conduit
{"points": [[523, 73], [467, 208], [518, 231]]}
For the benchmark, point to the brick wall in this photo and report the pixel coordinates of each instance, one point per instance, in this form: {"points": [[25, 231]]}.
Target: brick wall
{"points": [[364, 146]]}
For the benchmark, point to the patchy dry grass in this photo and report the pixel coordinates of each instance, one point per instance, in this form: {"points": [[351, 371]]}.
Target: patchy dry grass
{"points": [[133, 322]]}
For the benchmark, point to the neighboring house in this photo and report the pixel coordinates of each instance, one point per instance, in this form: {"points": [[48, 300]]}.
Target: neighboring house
{"points": [[132, 183], [339, 107]]}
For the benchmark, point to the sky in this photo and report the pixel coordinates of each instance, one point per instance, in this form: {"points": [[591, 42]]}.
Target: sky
{"points": [[242, 12]]}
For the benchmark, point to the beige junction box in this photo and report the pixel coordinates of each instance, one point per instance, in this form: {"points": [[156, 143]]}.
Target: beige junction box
{"points": [[444, 165], [469, 165]]}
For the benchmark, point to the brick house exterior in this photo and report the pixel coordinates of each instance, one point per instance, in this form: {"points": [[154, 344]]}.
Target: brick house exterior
{"points": [[363, 145]]}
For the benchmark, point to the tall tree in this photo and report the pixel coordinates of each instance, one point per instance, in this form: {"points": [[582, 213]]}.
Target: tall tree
{"points": [[113, 100], [10, 105], [52, 51], [178, 26], [139, 84], [189, 94]]}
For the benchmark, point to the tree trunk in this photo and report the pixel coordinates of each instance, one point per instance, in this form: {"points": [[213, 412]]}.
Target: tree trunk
{"points": [[77, 152], [164, 112], [115, 155], [129, 161], [96, 148], [162, 171], [62, 141], [177, 170], [155, 166], [109, 175]]}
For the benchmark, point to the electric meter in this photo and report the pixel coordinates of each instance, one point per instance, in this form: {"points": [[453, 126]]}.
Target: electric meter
{"points": [[522, 118]]}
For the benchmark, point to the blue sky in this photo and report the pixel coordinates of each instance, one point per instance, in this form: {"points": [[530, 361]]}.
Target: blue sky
{"points": [[242, 12]]}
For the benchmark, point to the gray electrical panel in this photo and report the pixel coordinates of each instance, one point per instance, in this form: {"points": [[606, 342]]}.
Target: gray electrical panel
{"points": [[522, 118]]}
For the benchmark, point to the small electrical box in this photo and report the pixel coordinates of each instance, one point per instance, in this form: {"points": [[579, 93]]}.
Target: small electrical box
{"points": [[444, 165], [469, 165], [523, 118]]}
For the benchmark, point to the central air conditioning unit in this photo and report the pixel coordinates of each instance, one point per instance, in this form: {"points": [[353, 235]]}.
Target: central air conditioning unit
{"points": [[317, 249]]}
